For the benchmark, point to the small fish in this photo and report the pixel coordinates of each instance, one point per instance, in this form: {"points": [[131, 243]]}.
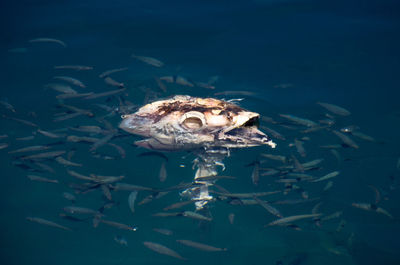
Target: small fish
{"points": [[332, 216], [80, 210], [280, 158], [49, 134], [74, 95], [231, 218], [7, 105], [246, 195], [299, 121], [163, 231], [25, 122], [273, 133], [106, 191], [118, 225], [66, 89], [255, 175], [180, 80], [131, 200], [130, 187], [335, 109], [177, 205], [112, 71], [345, 139], [200, 246], [162, 175], [196, 216], [66, 162], [363, 136], [162, 250], [272, 210], [327, 176], [45, 155], [102, 141], [27, 138], [50, 40], [70, 80], [300, 147], [74, 67], [371, 207], [41, 179], [105, 94], [70, 197], [148, 60], [328, 186], [286, 220], [121, 240], [3, 145], [297, 165], [48, 223], [111, 82]]}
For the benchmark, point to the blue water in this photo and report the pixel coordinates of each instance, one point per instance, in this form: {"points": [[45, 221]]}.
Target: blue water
{"points": [[290, 54]]}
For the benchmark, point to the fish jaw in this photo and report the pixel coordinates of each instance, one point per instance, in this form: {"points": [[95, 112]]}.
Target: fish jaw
{"points": [[136, 124]]}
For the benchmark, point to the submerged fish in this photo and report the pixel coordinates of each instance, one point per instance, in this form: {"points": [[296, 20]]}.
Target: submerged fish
{"points": [[48, 223], [200, 246], [50, 40], [148, 60], [335, 109], [162, 250], [131, 200], [289, 219], [42, 179], [327, 176], [121, 240]]}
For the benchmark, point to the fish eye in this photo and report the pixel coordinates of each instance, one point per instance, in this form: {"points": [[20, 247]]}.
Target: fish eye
{"points": [[192, 120], [192, 123]]}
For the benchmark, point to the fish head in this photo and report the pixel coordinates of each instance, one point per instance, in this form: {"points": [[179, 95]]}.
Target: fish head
{"points": [[185, 123]]}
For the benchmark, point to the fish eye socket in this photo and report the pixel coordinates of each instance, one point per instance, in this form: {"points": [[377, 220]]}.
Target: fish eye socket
{"points": [[192, 123], [252, 122]]}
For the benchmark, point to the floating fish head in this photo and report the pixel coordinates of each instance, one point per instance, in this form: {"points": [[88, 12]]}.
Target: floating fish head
{"points": [[184, 123]]}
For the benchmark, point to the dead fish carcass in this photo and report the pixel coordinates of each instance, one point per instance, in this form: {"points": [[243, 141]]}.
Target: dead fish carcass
{"points": [[184, 123]]}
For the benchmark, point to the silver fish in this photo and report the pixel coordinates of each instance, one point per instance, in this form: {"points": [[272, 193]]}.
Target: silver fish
{"points": [[200, 246], [131, 200], [327, 176], [289, 219], [48, 223], [66, 162], [196, 216], [118, 225], [162, 250], [163, 231], [148, 60], [41, 179], [112, 71], [74, 67], [335, 109], [50, 40], [346, 140], [162, 176], [300, 121], [70, 80]]}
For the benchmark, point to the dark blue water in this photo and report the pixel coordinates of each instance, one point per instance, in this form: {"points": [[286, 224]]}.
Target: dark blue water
{"points": [[288, 54]]}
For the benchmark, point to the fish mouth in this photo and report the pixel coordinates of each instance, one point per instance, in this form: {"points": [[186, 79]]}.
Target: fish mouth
{"points": [[246, 137], [136, 124]]}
